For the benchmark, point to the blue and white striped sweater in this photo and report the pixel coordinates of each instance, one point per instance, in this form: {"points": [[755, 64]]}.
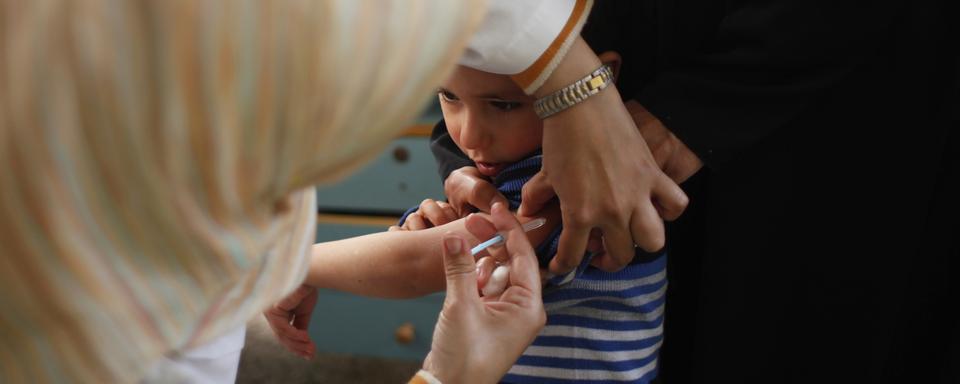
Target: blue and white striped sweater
{"points": [[601, 327]]}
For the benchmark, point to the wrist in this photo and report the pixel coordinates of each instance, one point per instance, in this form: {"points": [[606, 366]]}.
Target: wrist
{"points": [[317, 274], [453, 370], [595, 112], [436, 371], [425, 377], [578, 62], [575, 93]]}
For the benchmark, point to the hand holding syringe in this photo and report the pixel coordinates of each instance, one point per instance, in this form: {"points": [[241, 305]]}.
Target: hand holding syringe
{"points": [[500, 276]]}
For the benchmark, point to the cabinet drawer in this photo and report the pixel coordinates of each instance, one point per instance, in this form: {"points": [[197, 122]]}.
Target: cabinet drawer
{"points": [[399, 178], [349, 324]]}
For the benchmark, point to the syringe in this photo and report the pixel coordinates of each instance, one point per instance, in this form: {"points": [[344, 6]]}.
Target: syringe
{"points": [[527, 227]]}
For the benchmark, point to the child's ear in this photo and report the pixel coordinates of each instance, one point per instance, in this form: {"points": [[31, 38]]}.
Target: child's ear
{"points": [[613, 59]]}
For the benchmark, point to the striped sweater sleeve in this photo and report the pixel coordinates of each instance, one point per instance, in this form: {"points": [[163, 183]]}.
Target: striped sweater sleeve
{"points": [[526, 39]]}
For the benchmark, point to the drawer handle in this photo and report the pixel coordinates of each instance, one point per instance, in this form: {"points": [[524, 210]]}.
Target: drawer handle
{"points": [[401, 154], [405, 333]]}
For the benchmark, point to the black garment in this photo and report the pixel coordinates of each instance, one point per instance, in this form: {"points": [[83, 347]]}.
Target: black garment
{"points": [[820, 242]]}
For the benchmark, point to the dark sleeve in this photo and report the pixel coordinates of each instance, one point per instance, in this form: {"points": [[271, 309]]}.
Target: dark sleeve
{"points": [[733, 73], [448, 156]]}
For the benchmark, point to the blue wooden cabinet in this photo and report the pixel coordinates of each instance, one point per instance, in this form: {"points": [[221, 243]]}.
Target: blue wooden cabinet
{"points": [[400, 177]]}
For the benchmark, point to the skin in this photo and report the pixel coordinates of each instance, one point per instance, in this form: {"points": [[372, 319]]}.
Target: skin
{"points": [[394, 264], [477, 340], [489, 118], [493, 122], [625, 196], [675, 159], [468, 188], [411, 263]]}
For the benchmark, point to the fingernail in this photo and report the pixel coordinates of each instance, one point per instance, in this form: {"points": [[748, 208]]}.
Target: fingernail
{"points": [[452, 243]]}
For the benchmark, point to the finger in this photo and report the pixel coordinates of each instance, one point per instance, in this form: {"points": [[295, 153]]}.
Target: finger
{"points": [[670, 199], [277, 325], [570, 249], [595, 241], [483, 194], [499, 279], [448, 210], [296, 342], [414, 222], [535, 194], [394, 228], [618, 242], [457, 187], [485, 267], [524, 269], [460, 269], [277, 316], [433, 215], [289, 332], [302, 349], [596, 248], [304, 311], [480, 227], [647, 228]]}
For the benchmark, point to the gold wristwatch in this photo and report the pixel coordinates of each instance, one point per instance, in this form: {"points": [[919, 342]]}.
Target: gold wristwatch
{"points": [[574, 93]]}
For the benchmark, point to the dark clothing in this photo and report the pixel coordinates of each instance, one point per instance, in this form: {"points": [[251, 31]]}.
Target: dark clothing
{"points": [[820, 241]]}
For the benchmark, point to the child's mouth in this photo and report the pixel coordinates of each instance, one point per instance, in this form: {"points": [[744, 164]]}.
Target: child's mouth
{"points": [[489, 169]]}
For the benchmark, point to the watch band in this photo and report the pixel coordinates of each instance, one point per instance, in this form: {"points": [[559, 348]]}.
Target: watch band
{"points": [[574, 93]]}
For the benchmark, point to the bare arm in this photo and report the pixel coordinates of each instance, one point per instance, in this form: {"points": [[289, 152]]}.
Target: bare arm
{"points": [[395, 264]]}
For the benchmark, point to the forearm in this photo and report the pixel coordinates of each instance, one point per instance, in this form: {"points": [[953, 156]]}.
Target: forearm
{"points": [[398, 264]]}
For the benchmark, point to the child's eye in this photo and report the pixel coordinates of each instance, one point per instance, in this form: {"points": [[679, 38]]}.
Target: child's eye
{"points": [[447, 95], [505, 105]]}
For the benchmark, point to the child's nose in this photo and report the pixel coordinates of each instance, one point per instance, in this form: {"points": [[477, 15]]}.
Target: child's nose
{"points": [[472, 135]]}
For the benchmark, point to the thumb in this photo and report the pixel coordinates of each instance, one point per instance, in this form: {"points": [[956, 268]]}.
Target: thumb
{"points": [[461, 269], [535, 194]]}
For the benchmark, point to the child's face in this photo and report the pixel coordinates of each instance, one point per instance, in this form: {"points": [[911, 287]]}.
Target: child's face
{"points": [[489, 118]]}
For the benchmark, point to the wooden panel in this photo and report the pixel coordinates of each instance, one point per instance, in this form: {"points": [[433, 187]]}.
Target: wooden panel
{"points": [[398, 179], [419, 130], [349, 324]]}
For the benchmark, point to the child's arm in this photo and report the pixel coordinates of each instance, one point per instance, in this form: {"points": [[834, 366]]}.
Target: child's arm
{"points": [[395, 264]]}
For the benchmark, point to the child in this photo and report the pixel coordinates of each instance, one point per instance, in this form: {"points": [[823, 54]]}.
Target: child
{"points": [[601, 326]]}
